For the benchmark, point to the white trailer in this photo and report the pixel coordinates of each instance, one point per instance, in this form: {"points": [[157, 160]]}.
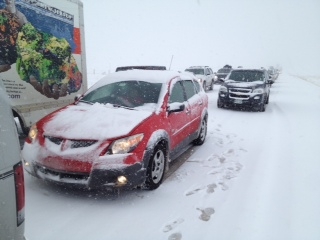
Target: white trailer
{"points": [[42, 56]]}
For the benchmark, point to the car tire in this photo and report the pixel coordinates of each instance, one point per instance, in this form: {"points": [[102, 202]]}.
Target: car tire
{"points": [[219, 104], [156, 167], [202, 133], [211, 85], [204, 86], [262, 107], [267, 101]]}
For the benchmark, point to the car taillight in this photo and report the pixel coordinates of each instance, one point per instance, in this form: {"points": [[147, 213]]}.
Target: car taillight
{"points": [[20, 192]]}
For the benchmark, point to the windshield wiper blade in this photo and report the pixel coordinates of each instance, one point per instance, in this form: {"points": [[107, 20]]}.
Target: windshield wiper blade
{"points": [[86, 102], [121, 106]]}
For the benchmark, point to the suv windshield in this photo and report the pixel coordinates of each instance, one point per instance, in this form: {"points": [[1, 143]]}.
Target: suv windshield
{"points": [[197, 71], [224, 70], [246, 76]]}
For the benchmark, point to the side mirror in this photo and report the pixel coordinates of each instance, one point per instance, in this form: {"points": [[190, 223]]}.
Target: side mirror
{"points": [[176, 107], [270, 81]]}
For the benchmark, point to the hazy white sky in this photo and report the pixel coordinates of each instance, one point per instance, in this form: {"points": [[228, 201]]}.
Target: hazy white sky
{"points": [[250, 33]]}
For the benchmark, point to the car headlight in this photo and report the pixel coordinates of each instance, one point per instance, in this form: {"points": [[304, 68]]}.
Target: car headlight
{"points": [[33, 133], [127, 144], [258, 90], [223, 89]]}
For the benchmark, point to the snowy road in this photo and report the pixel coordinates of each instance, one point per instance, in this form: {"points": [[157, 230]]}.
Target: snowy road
{"points": [[255, 177]]}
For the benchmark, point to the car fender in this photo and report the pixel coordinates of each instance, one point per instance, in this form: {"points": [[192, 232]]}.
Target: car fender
{"points": [[155, 138]]}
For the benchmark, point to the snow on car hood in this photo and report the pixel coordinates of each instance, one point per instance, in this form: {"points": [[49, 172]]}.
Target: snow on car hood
{"points": [[232, 83], [199, 75], [96, 121]]}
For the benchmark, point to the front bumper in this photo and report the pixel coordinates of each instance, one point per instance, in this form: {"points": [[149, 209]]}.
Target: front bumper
{"points": [[133, 175], [104, 172], [254, 101]]}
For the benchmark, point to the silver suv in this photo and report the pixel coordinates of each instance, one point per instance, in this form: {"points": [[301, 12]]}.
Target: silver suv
{"points": [[204, 74]]}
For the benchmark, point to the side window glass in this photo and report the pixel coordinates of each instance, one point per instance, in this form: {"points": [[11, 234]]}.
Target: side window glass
{"points": [[177, 93], [197, 86], [189, 88]]}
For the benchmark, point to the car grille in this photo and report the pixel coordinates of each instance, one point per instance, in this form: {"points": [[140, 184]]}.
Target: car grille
{"points": [[242, 93], [62, 175], [73, 143]]}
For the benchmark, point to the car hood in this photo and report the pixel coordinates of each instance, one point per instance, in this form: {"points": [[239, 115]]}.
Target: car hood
{"points": [[199, 76], [231, 83], [95, 121]]}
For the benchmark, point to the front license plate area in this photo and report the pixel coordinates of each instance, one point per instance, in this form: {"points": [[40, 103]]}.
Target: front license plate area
{"points": [[238, 101]]}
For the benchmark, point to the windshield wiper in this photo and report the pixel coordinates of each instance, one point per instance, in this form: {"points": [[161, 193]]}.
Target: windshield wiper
{"points": [[120, 106], [86, 102]]}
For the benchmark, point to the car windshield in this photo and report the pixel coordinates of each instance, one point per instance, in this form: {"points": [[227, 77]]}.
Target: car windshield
{"points": [[197, 71], [246, 76], [125, 93], [224, 70]]}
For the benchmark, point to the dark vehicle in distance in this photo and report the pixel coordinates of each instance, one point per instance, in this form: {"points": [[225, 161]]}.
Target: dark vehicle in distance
{"points": [[125, 68], [222, 73], [245, 88]]}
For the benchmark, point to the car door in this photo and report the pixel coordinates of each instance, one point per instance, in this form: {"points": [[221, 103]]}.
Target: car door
{"points": [[179, 120], [195, 103]]}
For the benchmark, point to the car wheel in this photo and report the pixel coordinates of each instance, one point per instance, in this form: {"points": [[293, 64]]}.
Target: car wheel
{"points": [[211, 85], [262, 107], [219, 104], [204, 86], [202, 134], [156, 168], [267, 101]]}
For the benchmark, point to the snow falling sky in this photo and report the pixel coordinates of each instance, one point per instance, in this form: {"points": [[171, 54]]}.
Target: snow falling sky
{"points": [[248, 33]]}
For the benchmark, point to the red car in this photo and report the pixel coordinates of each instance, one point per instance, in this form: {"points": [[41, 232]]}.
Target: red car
{"points": [[121, 133]]}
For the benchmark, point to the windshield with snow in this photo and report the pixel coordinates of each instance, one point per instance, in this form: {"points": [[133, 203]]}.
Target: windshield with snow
{"points": [[246, 76], [125, 93], [196, 71]]}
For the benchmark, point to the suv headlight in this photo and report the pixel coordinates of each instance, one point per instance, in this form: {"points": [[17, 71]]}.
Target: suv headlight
{"points": [[126, 145], [223, 89], [258, 90]]}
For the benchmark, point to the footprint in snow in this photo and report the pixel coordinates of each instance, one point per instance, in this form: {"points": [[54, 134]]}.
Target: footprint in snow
{"points": [[224, 187], [175, 236], [172, 225], [206, 214], [193, 191], [211, 187]]}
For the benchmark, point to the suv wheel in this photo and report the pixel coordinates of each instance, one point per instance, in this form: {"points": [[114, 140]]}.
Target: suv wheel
{"points": [[211, 85], [262, 107], [204, 86], [219, 103]]}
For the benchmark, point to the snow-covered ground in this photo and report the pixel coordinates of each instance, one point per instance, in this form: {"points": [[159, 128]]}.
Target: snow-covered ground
{"points": [[255, 177]]}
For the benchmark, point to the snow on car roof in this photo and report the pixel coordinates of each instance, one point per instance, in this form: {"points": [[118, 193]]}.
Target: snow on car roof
{"points": [[153, 76]]}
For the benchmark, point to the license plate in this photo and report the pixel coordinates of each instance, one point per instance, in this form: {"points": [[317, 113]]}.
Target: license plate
{"points": [[238, 101]]}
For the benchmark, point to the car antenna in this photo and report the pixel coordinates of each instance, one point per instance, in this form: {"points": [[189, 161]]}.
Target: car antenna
{"points": [[170, 62]]}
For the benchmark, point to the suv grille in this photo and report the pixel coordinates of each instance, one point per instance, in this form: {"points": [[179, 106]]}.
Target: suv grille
{"points": [[73, 143], [243, 93]]}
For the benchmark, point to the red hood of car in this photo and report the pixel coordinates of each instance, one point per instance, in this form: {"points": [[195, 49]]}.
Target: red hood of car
{"points": [[93, 121]]}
